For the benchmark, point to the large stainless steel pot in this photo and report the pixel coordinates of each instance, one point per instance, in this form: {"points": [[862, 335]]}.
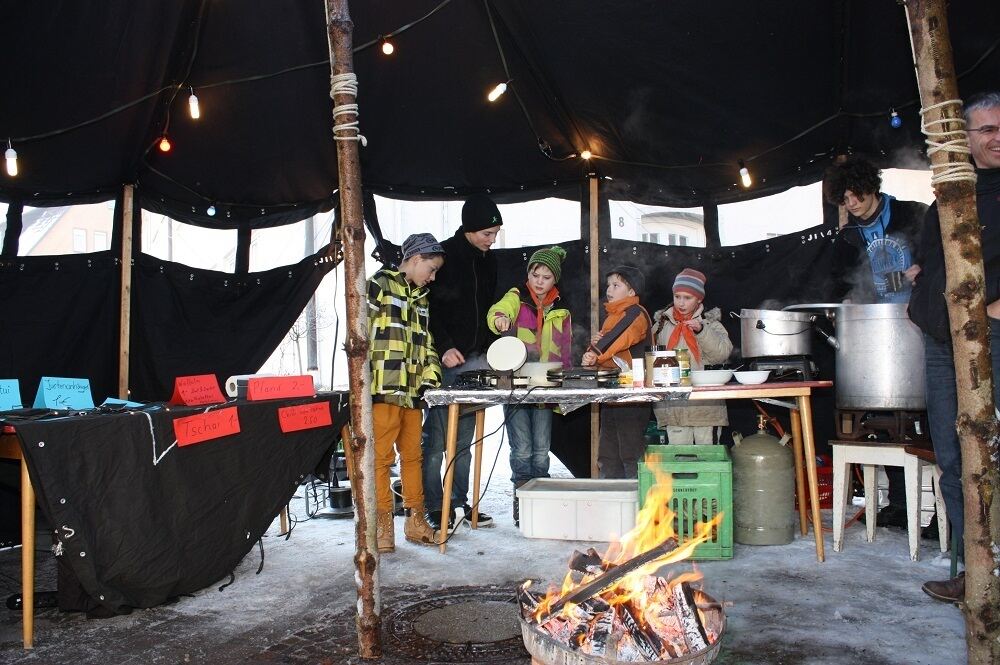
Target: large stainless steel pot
{"points": [[880, 362], [765, 332]]}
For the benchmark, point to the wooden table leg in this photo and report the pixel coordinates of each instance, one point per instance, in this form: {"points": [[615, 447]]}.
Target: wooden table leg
{"points": [[800, 482], [595, 438], [478, 443], [284, 520], [805, 408], [451, 443], [27, 557]]}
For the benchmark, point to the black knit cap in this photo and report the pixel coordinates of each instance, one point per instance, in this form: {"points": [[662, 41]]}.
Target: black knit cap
{"points": [[632, 276], [479, 212]]}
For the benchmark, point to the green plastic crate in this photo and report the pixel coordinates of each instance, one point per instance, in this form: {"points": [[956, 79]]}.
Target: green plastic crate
{"points": [[702, 488]]}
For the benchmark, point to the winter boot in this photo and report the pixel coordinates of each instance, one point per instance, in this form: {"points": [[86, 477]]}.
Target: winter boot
{"points": [[385, 536], [417, 530], [517, 504]]}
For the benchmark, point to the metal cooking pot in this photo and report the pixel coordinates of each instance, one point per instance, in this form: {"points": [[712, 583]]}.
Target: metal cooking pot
{"points": [[880, 362], [766, 332]]}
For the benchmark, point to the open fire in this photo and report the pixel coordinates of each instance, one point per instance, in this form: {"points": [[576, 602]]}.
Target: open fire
{"points": [[615, 608]]}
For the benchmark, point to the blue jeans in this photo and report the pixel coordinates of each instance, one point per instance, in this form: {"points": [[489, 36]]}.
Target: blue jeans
{"points": [[529, 429], [435, 428], [942, 416]]}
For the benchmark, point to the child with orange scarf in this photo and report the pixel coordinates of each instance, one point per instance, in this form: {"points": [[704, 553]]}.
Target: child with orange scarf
{"points": [[625, 334], [686, 325]]}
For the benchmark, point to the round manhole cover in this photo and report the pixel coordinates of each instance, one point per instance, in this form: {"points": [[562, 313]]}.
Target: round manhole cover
{"points": [[457, 625]]}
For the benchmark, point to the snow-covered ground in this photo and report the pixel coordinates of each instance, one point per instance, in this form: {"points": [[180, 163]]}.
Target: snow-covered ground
{"points": [[863, 605]]}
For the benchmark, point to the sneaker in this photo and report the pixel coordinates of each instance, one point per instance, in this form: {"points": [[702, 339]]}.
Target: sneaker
{"points": [[434, 519], [950, 591], [482, 520]]}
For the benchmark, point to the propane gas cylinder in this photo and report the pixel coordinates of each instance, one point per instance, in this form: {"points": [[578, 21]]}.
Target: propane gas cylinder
{"points": [[763, 489]]}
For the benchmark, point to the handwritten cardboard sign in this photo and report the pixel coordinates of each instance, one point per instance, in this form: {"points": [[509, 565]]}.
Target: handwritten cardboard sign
{"points": [[206, 426], [10, 394], [273, 387], [56, 392], [305, 416], [197, 390]]}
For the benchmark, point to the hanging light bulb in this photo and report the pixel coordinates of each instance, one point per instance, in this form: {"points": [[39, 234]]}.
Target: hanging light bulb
{"points": [[586, 154], [193, 106], [165, 144], [387, 46], [894, 120], [496, 92], [745, 175], [11, 156], [210, 211]]}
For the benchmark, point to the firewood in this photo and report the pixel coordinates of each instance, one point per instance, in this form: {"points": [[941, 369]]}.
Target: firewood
{"points": [[645, 640], [694, 632], [598, 640], [529, 602]]}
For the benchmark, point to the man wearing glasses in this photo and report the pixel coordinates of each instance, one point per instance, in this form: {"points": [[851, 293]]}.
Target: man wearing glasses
{"points": [[929, 311]]}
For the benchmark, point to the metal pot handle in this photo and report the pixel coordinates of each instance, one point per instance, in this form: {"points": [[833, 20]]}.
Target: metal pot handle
{"points": [[734, 315]]}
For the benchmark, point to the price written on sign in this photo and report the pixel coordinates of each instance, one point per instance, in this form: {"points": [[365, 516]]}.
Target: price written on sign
{"points": [[197, 390], [206, 426], [305, 416], [55, 392], [273, 387]]}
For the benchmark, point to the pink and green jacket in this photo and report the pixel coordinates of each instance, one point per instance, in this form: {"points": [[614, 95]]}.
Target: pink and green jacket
{"points": [[548, 340]]}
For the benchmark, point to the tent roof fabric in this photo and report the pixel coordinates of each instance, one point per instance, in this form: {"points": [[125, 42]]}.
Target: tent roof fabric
{"points": [[669, 96]]}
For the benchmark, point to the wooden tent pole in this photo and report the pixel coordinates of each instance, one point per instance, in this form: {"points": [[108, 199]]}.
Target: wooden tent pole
{"points": [[340, 30], [970, 332], [125, 321], [595, 317]]}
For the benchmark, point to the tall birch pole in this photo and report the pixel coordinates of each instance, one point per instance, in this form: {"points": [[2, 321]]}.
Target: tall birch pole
{"points": [[343, 90], [954, 184]]}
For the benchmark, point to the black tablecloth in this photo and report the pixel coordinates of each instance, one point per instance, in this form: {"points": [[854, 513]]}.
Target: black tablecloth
{"points": [[140, 520]]}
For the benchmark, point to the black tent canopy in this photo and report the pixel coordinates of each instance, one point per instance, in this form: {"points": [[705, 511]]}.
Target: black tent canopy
{"points": [[668, 96]]}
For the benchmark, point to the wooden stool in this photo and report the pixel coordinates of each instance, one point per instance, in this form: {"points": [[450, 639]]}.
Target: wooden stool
{"points": [[871, 454], [927, 455]]}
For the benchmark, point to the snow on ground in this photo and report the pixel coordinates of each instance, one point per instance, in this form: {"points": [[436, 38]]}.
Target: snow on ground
{"points": [[863, 605]]}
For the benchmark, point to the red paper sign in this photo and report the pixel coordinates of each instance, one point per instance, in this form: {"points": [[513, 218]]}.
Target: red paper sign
{"points": [[197, 390], [306, 416], [273, 387], [206, 426]]}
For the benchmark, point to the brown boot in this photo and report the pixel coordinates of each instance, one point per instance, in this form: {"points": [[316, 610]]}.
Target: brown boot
{"points": [[385, 536], [950, 591], [417, 530]]}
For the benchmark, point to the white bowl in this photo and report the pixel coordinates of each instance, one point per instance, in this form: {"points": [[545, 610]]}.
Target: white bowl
{"points": [[752, 377], [710, 377]]}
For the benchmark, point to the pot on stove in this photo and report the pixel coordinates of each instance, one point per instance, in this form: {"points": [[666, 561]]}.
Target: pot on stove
{"points": [[765, 332]]}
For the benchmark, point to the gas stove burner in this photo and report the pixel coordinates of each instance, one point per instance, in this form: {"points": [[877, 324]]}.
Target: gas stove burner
{"points": [[893, 425], [785, 368], [481, 379]]}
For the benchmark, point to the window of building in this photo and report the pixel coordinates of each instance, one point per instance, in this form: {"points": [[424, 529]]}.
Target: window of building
{"points": [[194, 246], [651, 237], [677, 226], [100, 241], [80, 240], [63, 229]]}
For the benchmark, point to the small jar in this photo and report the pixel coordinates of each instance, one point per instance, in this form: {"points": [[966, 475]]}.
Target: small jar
{"points": [[684, 366], [666, 371]]}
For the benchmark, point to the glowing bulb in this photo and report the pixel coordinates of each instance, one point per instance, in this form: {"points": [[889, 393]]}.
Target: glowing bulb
{"points": [[11, 156], [586, 154], [496, 92], [387, 46], [211, 211], [894, 120], [193, 106], [745, 175], [165, 144]]}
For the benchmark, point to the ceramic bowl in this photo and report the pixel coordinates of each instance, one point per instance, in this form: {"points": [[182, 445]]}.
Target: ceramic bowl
{"points": [[752, 377], [710, 377]]}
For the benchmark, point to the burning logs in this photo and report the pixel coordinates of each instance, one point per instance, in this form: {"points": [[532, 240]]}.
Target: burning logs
{"points": [[615, 617]]}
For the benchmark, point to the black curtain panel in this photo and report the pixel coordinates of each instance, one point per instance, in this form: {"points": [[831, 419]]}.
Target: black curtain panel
{"points": [[191, 321]]}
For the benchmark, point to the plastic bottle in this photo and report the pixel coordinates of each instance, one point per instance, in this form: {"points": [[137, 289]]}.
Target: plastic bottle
{"points": [[684, 363]]}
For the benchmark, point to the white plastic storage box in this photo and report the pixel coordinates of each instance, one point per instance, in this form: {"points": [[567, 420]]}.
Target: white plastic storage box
{"points": [[577, 508]]}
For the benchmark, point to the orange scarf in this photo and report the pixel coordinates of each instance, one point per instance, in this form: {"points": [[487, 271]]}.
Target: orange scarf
{"points": [[540, 307], [682, 329]]}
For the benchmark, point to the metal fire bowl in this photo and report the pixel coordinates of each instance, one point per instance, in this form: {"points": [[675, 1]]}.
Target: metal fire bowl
{"points": [[546, 650]]}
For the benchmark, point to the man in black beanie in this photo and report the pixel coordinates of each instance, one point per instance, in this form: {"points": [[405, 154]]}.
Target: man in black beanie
{"points": [[461, 295]]}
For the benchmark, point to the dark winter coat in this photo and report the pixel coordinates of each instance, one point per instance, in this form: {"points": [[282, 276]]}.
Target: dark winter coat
{"points": [[461, 294], [928, 308], [850, 254]]}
